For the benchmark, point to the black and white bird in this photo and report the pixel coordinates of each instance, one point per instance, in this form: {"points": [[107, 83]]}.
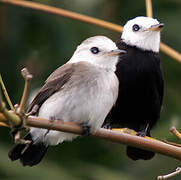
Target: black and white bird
{"points": [[140, 80], [82, 91]]}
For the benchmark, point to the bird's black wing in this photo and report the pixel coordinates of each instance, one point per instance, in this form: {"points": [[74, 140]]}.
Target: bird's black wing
{"points": [[160, 83], [54, 83]]}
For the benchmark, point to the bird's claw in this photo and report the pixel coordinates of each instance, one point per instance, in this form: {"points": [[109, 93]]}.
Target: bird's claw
{"points": [[107, 126], [19, 140], [144, 132], [85, 129], [141, 133]]}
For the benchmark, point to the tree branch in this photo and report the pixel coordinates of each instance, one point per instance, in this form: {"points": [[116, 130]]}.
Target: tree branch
{"points": [[174, 131], [27, 77], [170, 51], [149, 11], [65, 13], [115, 136], [94, 21], [8, 118], [177, 171], [6, 93]]}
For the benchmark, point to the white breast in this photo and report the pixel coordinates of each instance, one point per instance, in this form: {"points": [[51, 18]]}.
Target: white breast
{"points": [[88, 102]]}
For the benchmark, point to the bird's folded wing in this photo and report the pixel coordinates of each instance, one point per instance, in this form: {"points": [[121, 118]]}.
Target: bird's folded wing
{"points": [[54, 83]]}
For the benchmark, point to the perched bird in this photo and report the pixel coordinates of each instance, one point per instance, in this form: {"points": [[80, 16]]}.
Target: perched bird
{"points": [[82, 91], [140, 81]]}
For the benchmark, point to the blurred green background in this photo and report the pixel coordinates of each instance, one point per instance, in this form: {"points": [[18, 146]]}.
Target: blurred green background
{"points": [[42, 42]]}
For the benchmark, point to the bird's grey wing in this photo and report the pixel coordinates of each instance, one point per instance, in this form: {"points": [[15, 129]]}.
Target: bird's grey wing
{"points": [[54, 83]]}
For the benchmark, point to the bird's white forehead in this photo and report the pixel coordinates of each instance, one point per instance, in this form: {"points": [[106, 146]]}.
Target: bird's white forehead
{"points": [[142, 21], [100, 59], [98, 41], [143, 38]]}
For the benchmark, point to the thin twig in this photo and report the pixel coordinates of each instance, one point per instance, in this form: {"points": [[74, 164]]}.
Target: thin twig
{"points": [[3, 124], [149, 11], [174, 131], [177, 171], [8, 117], [3, 120], [27, 77], [6, 93], [2, 117], [65, 13], [170, 52], [87, 19], [172, 143]]}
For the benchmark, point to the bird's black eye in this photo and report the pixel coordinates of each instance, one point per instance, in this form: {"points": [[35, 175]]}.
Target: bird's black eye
{"points": [[94, 50], [136, 27]]}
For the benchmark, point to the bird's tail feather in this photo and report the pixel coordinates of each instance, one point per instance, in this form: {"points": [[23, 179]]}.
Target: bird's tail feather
{"points": [[29, 155], [136, 153]]}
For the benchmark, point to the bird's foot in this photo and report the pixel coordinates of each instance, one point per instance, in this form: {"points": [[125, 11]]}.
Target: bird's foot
{"points": [[141, 133], [16, 133], [107, 126], [144, 132], [52, 119], [22, 141], [85, 129]]}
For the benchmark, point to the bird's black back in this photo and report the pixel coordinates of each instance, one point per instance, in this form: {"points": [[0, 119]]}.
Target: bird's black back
{"points": [[140, 89]]}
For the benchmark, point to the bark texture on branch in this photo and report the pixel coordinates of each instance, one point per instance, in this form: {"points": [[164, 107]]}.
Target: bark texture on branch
{"points": [[115, 136]]}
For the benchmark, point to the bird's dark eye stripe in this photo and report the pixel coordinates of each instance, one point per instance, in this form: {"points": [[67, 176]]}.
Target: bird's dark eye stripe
{"points": [[94, 50], [136, 27]]}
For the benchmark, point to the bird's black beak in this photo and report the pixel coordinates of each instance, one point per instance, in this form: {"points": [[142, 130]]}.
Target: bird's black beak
{"points": [[115, 52], [157, 27]]}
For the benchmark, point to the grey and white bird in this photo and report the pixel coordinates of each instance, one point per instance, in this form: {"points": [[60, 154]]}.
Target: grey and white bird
{"points": [[82, 91]]}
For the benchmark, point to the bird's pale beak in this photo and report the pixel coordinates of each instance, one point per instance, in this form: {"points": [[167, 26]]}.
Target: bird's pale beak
{"points": [[115, 52], [157, 27]]}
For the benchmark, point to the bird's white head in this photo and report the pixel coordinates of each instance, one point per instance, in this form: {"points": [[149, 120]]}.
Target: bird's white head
{"points": [[98, 50], [143, 32]]}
